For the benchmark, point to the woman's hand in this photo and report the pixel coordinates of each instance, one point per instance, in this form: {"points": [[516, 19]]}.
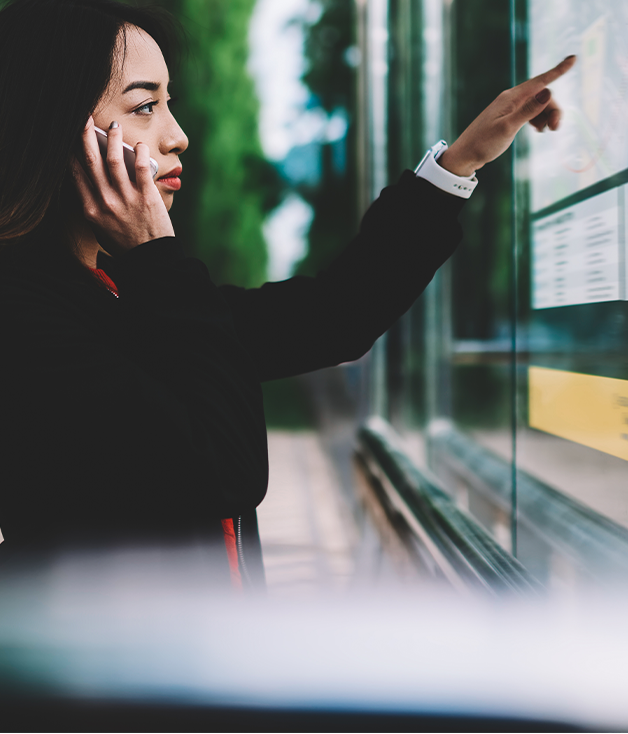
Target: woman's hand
{"points": [[490, 134], [122, 213]]}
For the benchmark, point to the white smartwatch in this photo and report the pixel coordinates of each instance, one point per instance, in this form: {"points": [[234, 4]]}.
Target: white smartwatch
{"points": [[429, 169]]}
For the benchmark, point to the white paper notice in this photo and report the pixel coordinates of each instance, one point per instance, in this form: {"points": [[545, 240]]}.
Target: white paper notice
{"points": [[576, 254]]}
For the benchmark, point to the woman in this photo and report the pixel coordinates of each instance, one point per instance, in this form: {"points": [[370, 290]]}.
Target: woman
{"points": [[132, 409]]}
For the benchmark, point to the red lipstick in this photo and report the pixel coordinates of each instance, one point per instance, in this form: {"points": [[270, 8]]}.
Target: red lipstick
{"points": [[171, 179]]}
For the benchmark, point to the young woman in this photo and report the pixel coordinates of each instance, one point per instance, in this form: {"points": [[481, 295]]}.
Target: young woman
{"points": [[131, 404]]}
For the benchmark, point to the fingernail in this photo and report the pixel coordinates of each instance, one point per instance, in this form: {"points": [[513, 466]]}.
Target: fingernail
{"points": [[113, 125], [543, 96], [571, 56]]}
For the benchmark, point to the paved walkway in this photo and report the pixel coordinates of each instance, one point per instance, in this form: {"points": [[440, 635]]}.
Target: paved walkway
{"points": [[307, 531]]}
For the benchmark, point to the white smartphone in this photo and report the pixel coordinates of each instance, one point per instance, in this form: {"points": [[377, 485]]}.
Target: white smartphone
{"points": [[128, 153]]}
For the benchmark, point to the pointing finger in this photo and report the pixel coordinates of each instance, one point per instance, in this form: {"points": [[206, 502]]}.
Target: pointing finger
{"points": [[553, 74]]}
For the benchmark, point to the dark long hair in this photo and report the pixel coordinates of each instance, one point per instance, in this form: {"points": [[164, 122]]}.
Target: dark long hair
{"points": [[57, 58]]}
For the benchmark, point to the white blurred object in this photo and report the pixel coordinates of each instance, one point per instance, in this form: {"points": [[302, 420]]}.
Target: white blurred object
{"points": [[133, 634], [285, 231], [276, 63]]}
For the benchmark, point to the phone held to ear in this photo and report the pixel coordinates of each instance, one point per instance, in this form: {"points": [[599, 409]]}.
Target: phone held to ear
{"points": [[128, 153]]}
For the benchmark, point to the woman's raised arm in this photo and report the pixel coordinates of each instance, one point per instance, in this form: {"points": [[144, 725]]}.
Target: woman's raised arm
{"points": [[303, 324]]}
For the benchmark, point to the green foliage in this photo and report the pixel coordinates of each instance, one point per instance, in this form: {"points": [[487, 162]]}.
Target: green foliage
{"points": [[326, 41], [332, 81], [228, 186]]}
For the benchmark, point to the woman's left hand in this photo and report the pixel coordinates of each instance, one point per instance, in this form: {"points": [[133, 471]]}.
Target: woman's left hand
{"points": [[492, 132], [124, 214]]}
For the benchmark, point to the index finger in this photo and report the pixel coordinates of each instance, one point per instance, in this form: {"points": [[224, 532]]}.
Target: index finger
{"points": [[89, 153], [553, 74]]}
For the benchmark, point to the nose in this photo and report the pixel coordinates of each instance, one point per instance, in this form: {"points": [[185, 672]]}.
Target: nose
{"points": [[174, 140]]}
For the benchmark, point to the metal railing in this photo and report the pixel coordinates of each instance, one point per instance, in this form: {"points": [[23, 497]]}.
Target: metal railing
{"points": [[596, 544], [461, 551]]}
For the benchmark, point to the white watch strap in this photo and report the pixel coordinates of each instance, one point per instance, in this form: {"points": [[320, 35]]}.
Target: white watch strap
{"points": [[429, 169]]}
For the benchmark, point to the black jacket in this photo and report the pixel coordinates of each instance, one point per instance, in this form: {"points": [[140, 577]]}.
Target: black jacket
{"points": [[140, 418]]}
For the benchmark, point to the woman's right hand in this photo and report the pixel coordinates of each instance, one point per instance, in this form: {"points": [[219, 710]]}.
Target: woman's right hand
{"points": [[127, 214], [492, 132]]}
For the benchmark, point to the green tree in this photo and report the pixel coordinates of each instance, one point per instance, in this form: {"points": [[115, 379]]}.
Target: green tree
{"points": [[332, 82], [228, 185]]}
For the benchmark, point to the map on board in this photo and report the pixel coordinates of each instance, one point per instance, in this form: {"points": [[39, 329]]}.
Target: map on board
{"points": [[579, 249], [592, 143]]}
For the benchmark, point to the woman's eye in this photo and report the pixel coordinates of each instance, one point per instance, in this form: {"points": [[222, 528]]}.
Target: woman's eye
{"points": [[145, 106], [149, 106]]}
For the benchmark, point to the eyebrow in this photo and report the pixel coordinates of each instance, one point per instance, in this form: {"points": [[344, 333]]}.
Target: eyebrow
{"points": [[151, 86]]}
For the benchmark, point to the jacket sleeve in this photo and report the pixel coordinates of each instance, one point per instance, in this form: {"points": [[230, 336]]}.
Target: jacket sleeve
{"points": [[303, 324]]}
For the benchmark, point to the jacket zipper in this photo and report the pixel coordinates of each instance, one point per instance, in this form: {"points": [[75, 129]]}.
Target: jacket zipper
{"points": [[240, 547]]}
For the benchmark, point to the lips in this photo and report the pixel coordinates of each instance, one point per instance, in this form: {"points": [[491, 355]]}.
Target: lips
{"points": [[175, 173], [171, 180]]}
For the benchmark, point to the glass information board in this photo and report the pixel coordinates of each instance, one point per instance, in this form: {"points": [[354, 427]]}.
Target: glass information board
{"points": [[579, 175], [578, 225]]}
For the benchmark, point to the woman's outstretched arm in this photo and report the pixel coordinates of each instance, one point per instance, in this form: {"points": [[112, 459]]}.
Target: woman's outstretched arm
{"points": [[303, 324]]}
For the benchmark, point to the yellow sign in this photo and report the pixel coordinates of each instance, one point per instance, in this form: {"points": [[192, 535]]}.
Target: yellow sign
{"points": [[587, 409]]}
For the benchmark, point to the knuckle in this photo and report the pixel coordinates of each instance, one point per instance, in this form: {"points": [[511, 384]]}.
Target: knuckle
{"points": [[91, 158], [108, 203], [529, 108], [90, 211]]}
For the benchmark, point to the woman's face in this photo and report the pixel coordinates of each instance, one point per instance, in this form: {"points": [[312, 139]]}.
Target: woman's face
{"points": [[138, 101]]}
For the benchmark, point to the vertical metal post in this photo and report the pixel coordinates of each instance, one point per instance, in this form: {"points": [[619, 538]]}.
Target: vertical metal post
{"points": [[514, 386], [377, 70], [437, 321]]}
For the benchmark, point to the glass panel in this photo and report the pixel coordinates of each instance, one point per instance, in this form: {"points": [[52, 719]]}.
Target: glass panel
{"points": [[375, 90], [415, 109], [405, 349], [572, 352], [476, 295]]}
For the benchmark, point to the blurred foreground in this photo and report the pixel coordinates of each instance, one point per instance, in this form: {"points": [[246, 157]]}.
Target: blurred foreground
{"points": [[134, 641]]}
